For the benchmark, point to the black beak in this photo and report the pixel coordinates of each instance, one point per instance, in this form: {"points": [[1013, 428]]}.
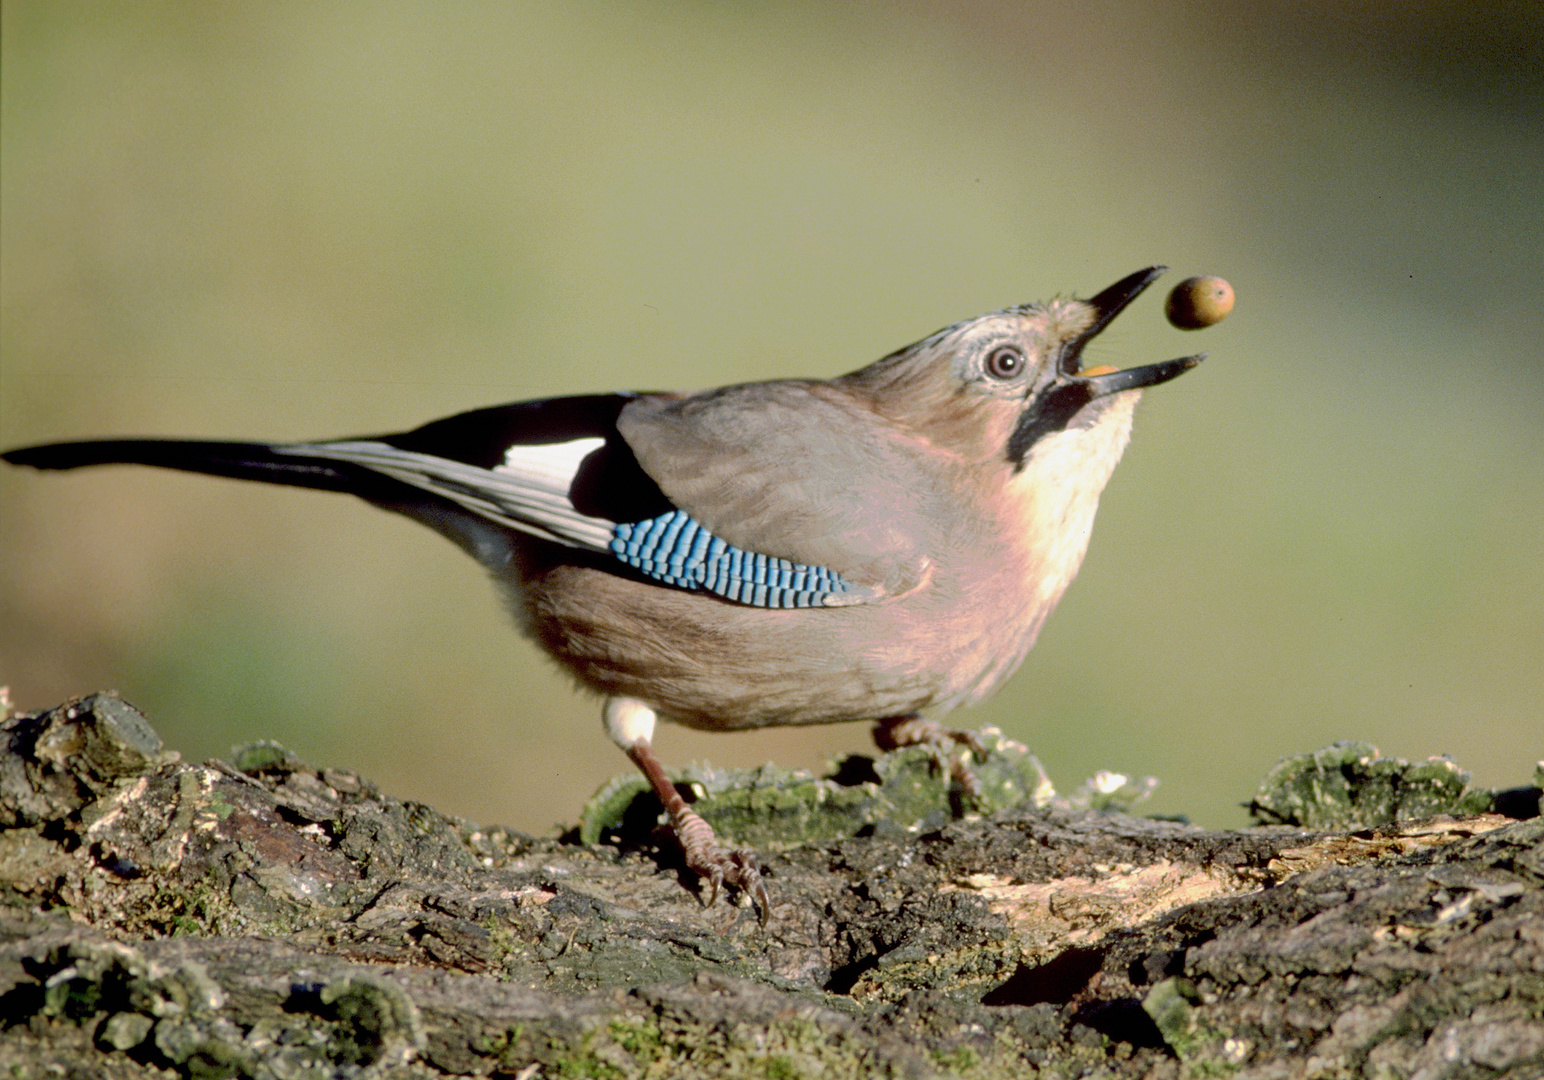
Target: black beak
{"points": [[1134, 378], [1054, 406], [1108, 304], [1112, 301]]}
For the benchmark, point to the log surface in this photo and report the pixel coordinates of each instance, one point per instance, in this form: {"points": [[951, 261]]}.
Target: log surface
{"points": [[164, 918]]}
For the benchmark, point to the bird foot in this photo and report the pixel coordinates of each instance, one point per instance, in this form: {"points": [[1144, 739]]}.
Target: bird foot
{"points": [[902, 731], [735, 867], [705, 856]]}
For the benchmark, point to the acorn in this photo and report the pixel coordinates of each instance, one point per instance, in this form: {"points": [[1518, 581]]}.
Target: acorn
{"points": [[1199, 301]]}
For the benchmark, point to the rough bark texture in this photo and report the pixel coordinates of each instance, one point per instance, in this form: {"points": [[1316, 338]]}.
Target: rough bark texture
{"points": [[162, 918]]}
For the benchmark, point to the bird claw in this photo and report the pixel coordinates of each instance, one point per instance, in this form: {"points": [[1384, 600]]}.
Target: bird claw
{"points": [[705, 857], [902, 731]]}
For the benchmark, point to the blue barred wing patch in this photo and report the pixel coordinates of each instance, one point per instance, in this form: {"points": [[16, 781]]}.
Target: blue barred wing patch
{"points": [[675, 549]]}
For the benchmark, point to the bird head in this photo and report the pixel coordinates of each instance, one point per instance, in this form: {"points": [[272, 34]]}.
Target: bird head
{"points": [[994, 387]]}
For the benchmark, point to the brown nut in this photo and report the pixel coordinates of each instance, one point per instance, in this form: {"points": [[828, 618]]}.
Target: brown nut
{"points": [[1199, 301]]}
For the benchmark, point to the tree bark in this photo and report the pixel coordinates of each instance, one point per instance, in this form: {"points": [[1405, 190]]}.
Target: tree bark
{"points": [[163, 918]]}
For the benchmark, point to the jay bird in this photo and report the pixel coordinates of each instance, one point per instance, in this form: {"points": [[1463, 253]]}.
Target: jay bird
{"points": [[801, 551]]}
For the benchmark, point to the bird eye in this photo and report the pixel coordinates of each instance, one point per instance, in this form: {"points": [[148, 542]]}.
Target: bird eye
{"points": [[1004, 362]]}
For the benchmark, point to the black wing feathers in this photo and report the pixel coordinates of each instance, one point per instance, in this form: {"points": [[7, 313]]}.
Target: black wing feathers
{"points": [[481, 437], [610, 484]]}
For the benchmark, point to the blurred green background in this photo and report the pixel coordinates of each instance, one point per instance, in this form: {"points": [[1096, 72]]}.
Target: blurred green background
{"points": [[305, 220]]}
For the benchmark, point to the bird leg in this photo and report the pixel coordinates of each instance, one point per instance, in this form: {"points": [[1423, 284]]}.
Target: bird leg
{"points": [[630, 724], [896, 732]]}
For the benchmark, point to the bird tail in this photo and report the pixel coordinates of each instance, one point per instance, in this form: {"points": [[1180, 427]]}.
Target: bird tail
{"points": [[485, 541], [239, 460]]}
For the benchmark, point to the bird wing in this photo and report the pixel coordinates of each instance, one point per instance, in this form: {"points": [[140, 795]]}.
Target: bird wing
{"points": [[555, 469], [798, 470], [562, 470], [527, 492]]}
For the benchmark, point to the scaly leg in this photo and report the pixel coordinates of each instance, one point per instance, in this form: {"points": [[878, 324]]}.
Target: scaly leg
{"points": [[912, 730], [630, 723]]}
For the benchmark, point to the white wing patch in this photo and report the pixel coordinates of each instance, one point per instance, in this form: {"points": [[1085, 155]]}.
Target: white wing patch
{"points": [[529, 491], [550, 465]]}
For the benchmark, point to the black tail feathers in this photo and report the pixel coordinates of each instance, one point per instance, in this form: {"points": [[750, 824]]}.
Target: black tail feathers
{"points": [[239, 460]]}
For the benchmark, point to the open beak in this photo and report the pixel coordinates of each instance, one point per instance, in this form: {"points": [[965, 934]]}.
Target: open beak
{"points": [[1099, 382]]}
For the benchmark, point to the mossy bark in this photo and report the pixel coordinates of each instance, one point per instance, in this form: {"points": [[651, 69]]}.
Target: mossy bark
{"points": [[163, 918]]}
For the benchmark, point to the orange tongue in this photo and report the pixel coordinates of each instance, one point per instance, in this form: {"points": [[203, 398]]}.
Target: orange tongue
{"points": [[1102, 369]]}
